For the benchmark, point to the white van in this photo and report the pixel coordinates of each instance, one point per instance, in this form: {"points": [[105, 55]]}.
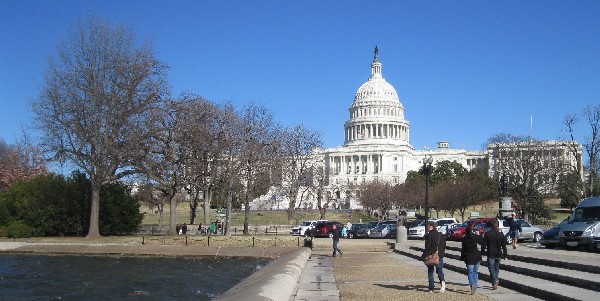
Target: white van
{"points": [[583, 228]]}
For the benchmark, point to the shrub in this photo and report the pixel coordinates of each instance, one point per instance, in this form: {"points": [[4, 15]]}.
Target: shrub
{"points": [[18, 229]]}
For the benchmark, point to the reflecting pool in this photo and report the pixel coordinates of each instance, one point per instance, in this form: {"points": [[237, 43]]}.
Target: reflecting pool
{"points": [[42, 277]]}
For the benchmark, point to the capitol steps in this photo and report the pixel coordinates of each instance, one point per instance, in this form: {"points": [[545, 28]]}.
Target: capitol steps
{"points": [[555, 278]]}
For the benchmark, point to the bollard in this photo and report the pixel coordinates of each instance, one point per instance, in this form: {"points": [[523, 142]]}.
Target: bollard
{"points": [[143, 237], [253, 241], [208, 243], [298, 241], [401, 235], [276, 240], [186, 240]]}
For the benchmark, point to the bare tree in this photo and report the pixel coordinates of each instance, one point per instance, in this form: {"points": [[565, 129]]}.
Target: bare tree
{"points": [[592, 143], [161, 156], [258, 145], [530, 171], [297, 146], [203, 151], [377, 196], [570, 120], [95, 100]]}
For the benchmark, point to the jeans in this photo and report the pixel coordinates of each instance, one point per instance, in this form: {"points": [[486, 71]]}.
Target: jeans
{"points": [[335, 247], [473, 273], [440, 272], [494, 268]]}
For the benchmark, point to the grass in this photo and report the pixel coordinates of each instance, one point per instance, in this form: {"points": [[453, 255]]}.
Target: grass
{"points": [[279, 217], [263, 218]]}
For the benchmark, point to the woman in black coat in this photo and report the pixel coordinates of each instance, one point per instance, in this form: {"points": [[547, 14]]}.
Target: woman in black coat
{"points": [[471, 255]]}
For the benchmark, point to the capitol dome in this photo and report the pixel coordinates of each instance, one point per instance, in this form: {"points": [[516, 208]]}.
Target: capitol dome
{"points": [[376, 90], [376, 114]]}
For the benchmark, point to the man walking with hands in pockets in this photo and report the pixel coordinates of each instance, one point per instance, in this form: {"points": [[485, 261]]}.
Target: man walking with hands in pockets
{"points": [[336, 240], [494, 246]]}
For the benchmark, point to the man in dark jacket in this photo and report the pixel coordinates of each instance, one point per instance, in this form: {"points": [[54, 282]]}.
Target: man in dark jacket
{"points": [[336, 239], [435, 242], [494, 246]]}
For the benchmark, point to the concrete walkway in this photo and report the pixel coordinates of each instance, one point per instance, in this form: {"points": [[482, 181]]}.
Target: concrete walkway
{"points": [[370, 270]]}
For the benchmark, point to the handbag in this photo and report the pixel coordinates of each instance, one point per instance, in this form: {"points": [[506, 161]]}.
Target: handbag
{"points": [[433, 259]]}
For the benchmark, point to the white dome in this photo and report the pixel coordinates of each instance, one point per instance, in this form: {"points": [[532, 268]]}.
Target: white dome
{"points": [[376, 89], [376, 115]]}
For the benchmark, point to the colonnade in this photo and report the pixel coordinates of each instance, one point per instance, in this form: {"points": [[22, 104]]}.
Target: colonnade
{"points": [[377, 131], [356, 164]]}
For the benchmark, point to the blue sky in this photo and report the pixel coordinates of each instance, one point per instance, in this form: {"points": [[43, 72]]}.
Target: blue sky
{"points": [[464, 70]]}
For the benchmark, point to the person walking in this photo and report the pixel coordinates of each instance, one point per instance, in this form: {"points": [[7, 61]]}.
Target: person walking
{"points": [[470, 254], [435, 241], [494, 247], [515, 229], [336, 240], [184, 229], [348, 227]]}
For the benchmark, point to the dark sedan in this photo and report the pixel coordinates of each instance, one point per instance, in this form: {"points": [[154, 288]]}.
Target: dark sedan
{"points": [[550, 237], [353, 231]]}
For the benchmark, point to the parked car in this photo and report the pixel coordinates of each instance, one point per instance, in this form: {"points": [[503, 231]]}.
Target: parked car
{"points": [[364, 231], [458, 232], [325, 229], [353, 232], [305, 228], [550, 237], [419, 230], [480, 228], [530, 232], [383, 231], [583, 228], [372, 225]]}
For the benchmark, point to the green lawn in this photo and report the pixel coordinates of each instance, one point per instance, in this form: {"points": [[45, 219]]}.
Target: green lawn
{"points": [[279, 217]]}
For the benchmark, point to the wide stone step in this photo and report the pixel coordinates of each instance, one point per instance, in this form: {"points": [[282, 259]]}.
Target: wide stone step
{"points": [[522, 280]]}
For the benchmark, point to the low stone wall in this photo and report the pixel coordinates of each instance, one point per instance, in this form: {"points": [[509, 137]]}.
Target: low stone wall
{"points": [[276, 281]]}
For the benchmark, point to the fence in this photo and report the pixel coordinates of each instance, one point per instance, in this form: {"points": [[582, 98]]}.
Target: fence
{"points": [[223, 241]]}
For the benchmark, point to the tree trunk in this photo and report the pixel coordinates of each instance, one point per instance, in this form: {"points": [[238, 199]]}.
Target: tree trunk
{"points": [[291, 208], [229, 205], [161, 210], [247, 207], [207, 199], [172, 215], [193, 207], [94, 230]]}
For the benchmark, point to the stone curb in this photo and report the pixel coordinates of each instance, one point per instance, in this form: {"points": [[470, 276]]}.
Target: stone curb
{"points": [[277, 281]]}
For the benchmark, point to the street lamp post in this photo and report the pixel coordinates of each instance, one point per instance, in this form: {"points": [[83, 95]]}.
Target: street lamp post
{"points": [[427, 168]]}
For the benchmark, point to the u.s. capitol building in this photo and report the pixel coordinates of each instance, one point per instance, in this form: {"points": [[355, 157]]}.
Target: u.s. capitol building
{"points": [[377, 147]]}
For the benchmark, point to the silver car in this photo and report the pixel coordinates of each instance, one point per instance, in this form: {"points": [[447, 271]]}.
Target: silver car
{"points": [[383, 231], [530, 232]]}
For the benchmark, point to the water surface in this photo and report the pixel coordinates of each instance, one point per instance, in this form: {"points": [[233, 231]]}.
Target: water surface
{"points": [[41, 277]]}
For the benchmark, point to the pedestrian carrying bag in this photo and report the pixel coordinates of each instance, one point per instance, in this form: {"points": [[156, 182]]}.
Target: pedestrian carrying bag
{"points": [[433, 259]]}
